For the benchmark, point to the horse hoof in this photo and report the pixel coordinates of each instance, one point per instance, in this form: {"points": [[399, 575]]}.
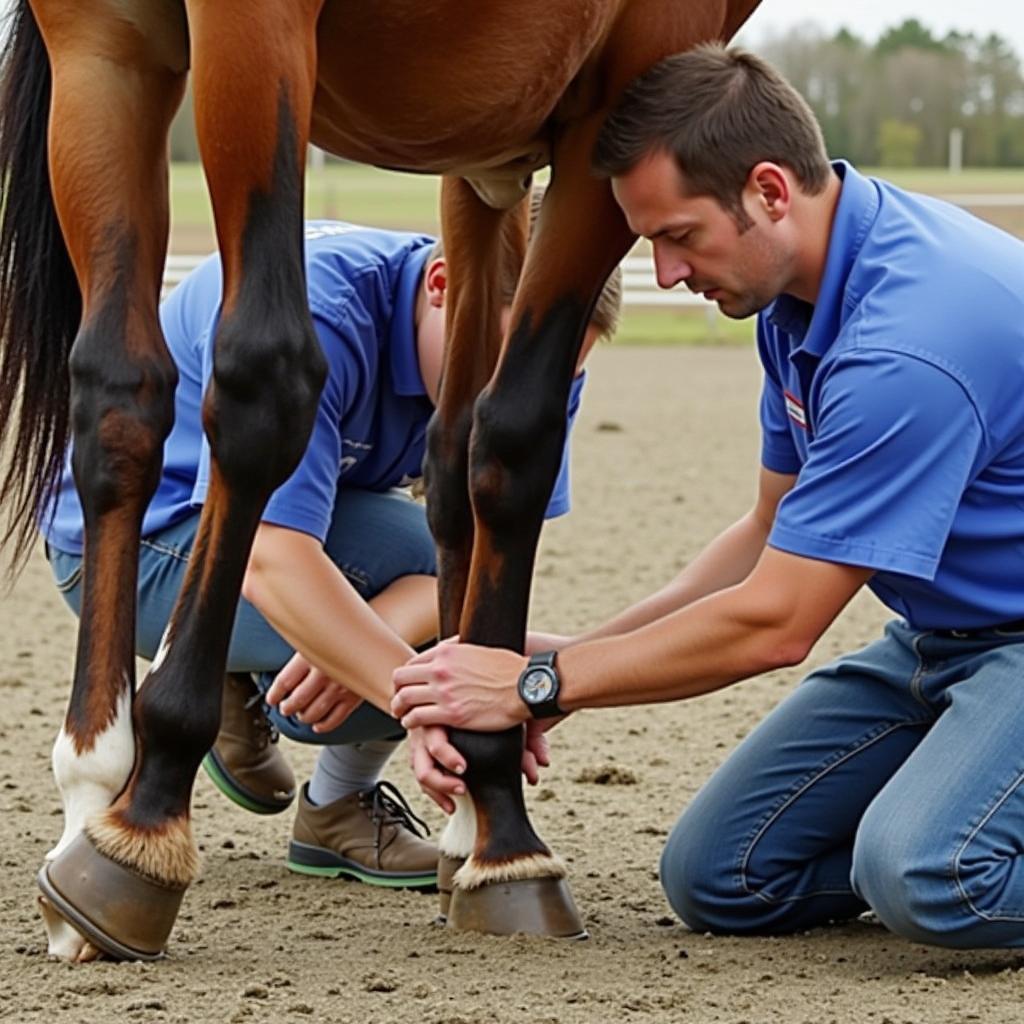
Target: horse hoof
{"points": [[446, 868], [529, 906], [120, 912]]}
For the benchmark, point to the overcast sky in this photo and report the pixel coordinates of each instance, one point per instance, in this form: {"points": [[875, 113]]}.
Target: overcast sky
{"points": [[869, 18]]}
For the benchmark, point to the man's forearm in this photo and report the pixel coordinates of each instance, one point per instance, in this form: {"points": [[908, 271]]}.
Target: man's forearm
{"points": [[770, 620], [726, 561], [691, 651], [304, 596]]}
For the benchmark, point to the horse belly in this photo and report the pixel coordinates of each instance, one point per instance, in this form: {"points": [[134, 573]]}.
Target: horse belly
{"points": [[445, 86]]}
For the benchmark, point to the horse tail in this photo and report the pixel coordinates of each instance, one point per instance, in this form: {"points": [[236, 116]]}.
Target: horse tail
{"points": [[40, 301]]}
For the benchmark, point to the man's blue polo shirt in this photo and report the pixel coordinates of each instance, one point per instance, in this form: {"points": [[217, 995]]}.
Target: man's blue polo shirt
{"points": [[370, 427], [898, 399]]}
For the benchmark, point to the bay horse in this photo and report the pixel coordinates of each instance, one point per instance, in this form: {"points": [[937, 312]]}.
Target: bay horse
{"points": [[481, 93]]}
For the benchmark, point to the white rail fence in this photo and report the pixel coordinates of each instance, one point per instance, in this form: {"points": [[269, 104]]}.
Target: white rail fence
{"points": [[639, 287]]}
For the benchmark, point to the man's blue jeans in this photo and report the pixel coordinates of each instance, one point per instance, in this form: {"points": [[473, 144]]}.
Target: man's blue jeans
{"points": [[374, 538], [892, 779]]}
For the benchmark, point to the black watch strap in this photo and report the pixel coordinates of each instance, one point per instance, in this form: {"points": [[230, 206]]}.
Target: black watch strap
{"points": [[539, 685]]}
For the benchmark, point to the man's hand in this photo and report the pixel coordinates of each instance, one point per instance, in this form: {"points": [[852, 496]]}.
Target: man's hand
{"points": [[462, 685], [536, 753], [437, 766], [313, 697]]}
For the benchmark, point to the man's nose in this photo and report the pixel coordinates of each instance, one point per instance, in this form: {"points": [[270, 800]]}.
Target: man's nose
{"points": [[670, 271]]}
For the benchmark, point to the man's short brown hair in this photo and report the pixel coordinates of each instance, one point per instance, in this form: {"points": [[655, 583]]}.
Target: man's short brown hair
{"points": [[608, 309], [719, 112]]}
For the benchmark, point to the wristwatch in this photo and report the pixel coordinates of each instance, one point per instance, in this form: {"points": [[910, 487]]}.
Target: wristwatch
{"points": [[539, 685]]}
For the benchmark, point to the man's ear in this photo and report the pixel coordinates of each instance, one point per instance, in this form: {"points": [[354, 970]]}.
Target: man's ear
{"points": [[435, 281], [771, 188]]}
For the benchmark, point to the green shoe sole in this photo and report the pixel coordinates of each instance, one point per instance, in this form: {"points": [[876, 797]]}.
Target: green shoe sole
{"points": [[428, 880], [235, 793]]}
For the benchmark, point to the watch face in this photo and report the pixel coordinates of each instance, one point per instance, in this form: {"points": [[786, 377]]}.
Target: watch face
{"points": [[537, 686]]}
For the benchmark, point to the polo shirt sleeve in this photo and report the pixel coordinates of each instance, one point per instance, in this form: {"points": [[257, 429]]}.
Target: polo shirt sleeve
{"points": [[895, 443], [778, 453], [305, 501], [561, 500]]}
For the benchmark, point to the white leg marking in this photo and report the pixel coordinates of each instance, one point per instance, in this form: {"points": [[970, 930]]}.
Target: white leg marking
{"points": [[161, 651], [89, 781], [459, 836]]}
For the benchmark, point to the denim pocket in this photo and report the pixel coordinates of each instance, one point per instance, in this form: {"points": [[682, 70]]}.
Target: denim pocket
{"points": [[67, 570]]}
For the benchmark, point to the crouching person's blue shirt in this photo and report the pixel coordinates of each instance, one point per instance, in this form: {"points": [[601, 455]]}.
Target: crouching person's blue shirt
{"points": [[898, 400], [370, 427]]}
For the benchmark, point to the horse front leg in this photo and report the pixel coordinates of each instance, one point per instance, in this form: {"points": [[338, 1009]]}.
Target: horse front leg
{"points": [[108, 172], [512, 882], [123, 881], [485, 248]]}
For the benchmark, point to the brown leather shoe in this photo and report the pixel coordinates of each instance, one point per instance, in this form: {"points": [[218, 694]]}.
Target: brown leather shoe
{"points": [[372, 836], [245, 763]]}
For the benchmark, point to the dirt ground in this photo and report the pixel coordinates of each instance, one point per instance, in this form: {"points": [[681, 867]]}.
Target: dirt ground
{"points": [[665, 455]]}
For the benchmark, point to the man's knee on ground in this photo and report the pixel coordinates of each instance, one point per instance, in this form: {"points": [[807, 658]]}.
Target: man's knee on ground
{"points": [[704, 888], [904, 873]]}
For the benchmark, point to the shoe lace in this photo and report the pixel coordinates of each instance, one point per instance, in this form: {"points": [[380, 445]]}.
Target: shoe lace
{"points": [[387, 806], [264, 723]]}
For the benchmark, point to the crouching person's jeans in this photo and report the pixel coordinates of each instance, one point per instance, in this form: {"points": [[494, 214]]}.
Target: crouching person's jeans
{"points": [[892, 779], [374, 538]]}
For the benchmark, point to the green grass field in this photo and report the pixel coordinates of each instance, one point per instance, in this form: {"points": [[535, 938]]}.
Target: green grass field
{"points": [[367, 195]]}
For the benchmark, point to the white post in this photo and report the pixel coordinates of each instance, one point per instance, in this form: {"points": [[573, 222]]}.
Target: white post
{"points": [[956, 150], [318, 178]]}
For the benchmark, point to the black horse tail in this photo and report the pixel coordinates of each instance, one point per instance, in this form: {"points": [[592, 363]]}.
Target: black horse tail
{"points": [[40, 302]]}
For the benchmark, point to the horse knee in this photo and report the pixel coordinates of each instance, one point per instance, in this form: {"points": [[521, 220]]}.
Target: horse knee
{"points": [[267, 375], [122, 408], [515, 453]]}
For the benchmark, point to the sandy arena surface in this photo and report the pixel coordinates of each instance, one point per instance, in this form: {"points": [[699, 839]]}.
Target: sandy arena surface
{"points": [[665, 455]]}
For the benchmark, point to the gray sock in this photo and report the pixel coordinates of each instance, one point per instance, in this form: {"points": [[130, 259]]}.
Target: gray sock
{"points": [[348, 768]]}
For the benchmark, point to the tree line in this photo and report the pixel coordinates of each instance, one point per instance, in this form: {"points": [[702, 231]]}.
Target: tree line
{"points": [[889, 103], [895, 102]]}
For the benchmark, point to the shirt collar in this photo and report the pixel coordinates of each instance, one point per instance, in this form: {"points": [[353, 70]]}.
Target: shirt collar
{"points": [[405, 364], [817, 326]]}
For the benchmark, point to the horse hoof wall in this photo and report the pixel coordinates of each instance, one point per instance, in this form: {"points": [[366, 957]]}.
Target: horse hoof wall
{"points": [[120, 912], [529, 906], [446, 868]]}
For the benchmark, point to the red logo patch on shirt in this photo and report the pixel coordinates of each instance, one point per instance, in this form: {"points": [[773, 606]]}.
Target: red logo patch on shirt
{"points": [[796, 410]]}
